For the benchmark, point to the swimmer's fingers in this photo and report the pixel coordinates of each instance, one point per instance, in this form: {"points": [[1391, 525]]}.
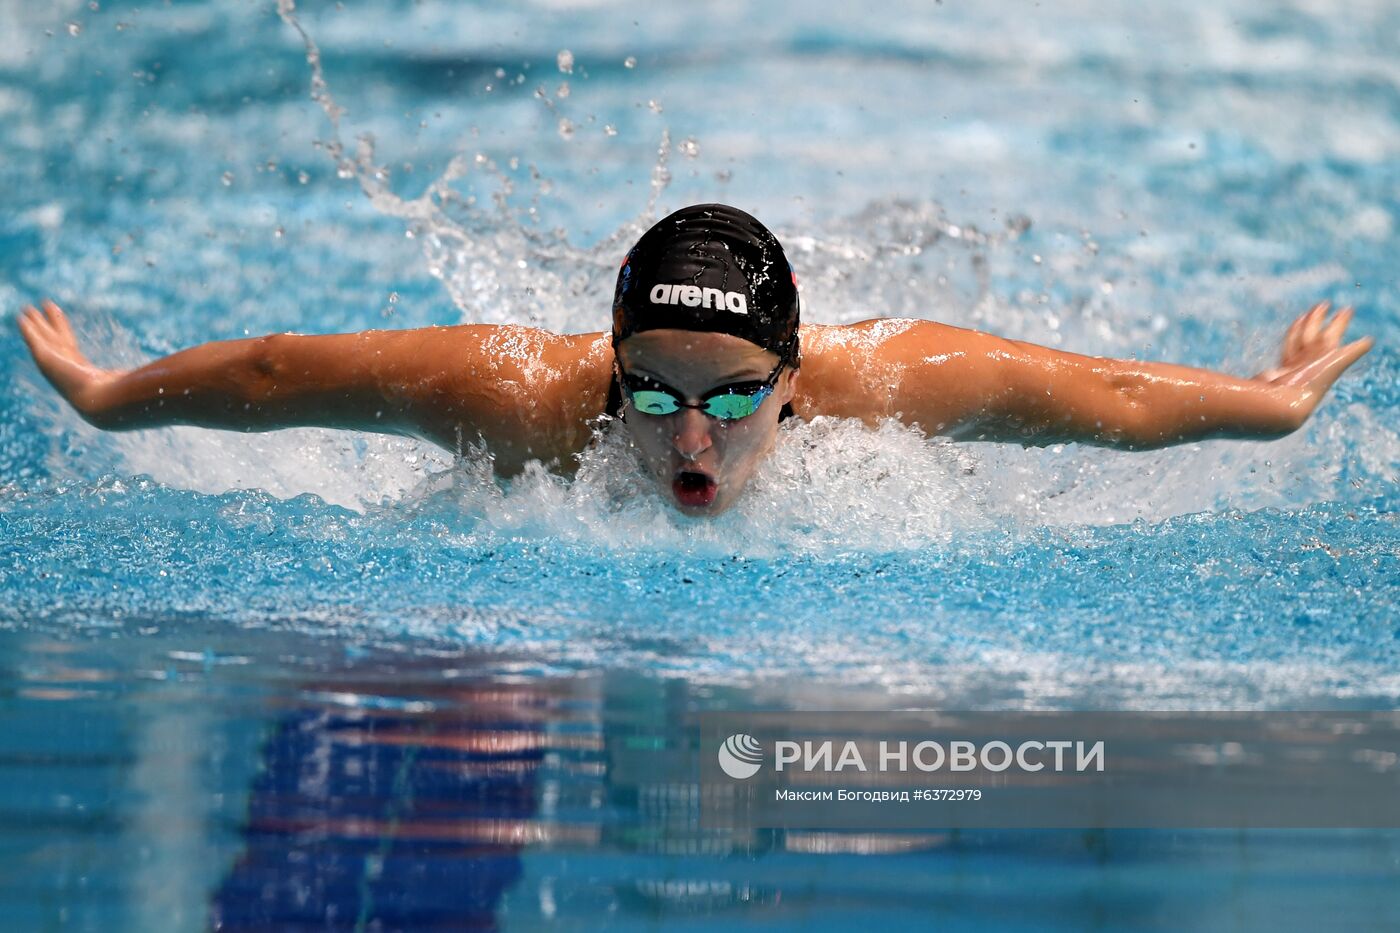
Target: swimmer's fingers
{"points": [[1295, 342], [28, 326], [49, 331], [1290, 339], [37, 332], [1312, 324], [1331, 335], [62, 329]]}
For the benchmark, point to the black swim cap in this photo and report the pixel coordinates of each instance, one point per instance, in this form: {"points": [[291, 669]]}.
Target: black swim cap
{"points": [[709, 267]]}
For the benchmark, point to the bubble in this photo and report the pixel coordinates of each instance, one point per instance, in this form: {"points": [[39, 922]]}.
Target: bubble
{"points": [[609, 129], [690, 147], [303, 178], [226, 178], [566, 128], [565, 60], [629, 62], [563, 90], [74, 29], [655, 107]]}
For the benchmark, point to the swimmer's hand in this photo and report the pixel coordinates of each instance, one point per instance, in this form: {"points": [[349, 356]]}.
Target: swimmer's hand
{"points": [[1313, 356], [55, 349]]}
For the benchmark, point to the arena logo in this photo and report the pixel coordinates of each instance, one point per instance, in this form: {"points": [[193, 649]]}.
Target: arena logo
{"points": [[693, 296]]}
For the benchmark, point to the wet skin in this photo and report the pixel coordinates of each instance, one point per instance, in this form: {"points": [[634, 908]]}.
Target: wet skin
{"points": [[529, 394]]}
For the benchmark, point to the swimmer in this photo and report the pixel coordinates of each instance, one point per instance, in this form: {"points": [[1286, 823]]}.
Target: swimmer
{"points": [[705, 357]]}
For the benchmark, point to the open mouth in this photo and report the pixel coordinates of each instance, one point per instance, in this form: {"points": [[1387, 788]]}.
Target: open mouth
{"points": [[693, 488]]}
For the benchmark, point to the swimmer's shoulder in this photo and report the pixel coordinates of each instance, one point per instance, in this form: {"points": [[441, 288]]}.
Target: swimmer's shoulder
{"points": [[857, 370], [528, 393]]}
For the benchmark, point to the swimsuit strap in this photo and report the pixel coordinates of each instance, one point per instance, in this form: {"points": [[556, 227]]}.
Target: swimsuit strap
{"points": [[614, 404]]}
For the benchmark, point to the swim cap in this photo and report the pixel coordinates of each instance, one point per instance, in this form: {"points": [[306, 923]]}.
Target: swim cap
{"points": [[709, 267]]}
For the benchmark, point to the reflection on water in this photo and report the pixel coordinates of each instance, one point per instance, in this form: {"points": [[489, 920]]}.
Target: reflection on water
{"points": [[257, 779]]}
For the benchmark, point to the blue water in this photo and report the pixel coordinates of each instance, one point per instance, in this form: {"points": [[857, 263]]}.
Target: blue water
{"points": [[336, 679]]}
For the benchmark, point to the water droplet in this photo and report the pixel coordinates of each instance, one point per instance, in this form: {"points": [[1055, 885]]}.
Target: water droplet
{"points": [[609, 129], [690, 147], [565, 59], [629, 62], [279, 232], [303, 178], [500, 72], [655, 107], [74, 29], [226, 178], [566, 128], [563, 90], [345, 171], [271, 166], [393, 298]]}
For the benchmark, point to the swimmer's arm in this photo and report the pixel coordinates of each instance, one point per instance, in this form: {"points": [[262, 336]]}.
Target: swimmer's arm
{"points": [[976, 386], [437, 383]]}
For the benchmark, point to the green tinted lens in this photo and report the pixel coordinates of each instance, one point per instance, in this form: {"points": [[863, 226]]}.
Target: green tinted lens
{"points": [[651, 402], [730, 407]]}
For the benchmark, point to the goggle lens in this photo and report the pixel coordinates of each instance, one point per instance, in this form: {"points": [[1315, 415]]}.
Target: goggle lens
{"points": [[731, 407], [726, 406], [652, 402]]}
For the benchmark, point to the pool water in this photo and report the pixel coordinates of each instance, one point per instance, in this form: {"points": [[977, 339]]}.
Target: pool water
{"points": [[335, 680]]}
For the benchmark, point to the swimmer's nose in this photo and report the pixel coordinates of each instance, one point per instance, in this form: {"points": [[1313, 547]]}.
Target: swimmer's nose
{"points": [[692, 437]]}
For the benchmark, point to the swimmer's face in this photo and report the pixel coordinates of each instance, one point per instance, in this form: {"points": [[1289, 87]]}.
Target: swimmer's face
{"points": [[678, 446]]}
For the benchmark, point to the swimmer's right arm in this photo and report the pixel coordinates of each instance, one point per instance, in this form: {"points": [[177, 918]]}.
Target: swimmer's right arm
{"points": [[444, 384]]}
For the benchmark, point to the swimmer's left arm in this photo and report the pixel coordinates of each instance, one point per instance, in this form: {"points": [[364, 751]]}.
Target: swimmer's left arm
{"points": [[976, 386]]}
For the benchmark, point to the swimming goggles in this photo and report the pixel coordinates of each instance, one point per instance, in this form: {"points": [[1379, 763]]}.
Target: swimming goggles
{"points": [[727, 403]]}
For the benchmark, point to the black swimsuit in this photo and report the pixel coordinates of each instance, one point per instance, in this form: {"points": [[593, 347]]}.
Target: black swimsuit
{"points": [[614, 406]]}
